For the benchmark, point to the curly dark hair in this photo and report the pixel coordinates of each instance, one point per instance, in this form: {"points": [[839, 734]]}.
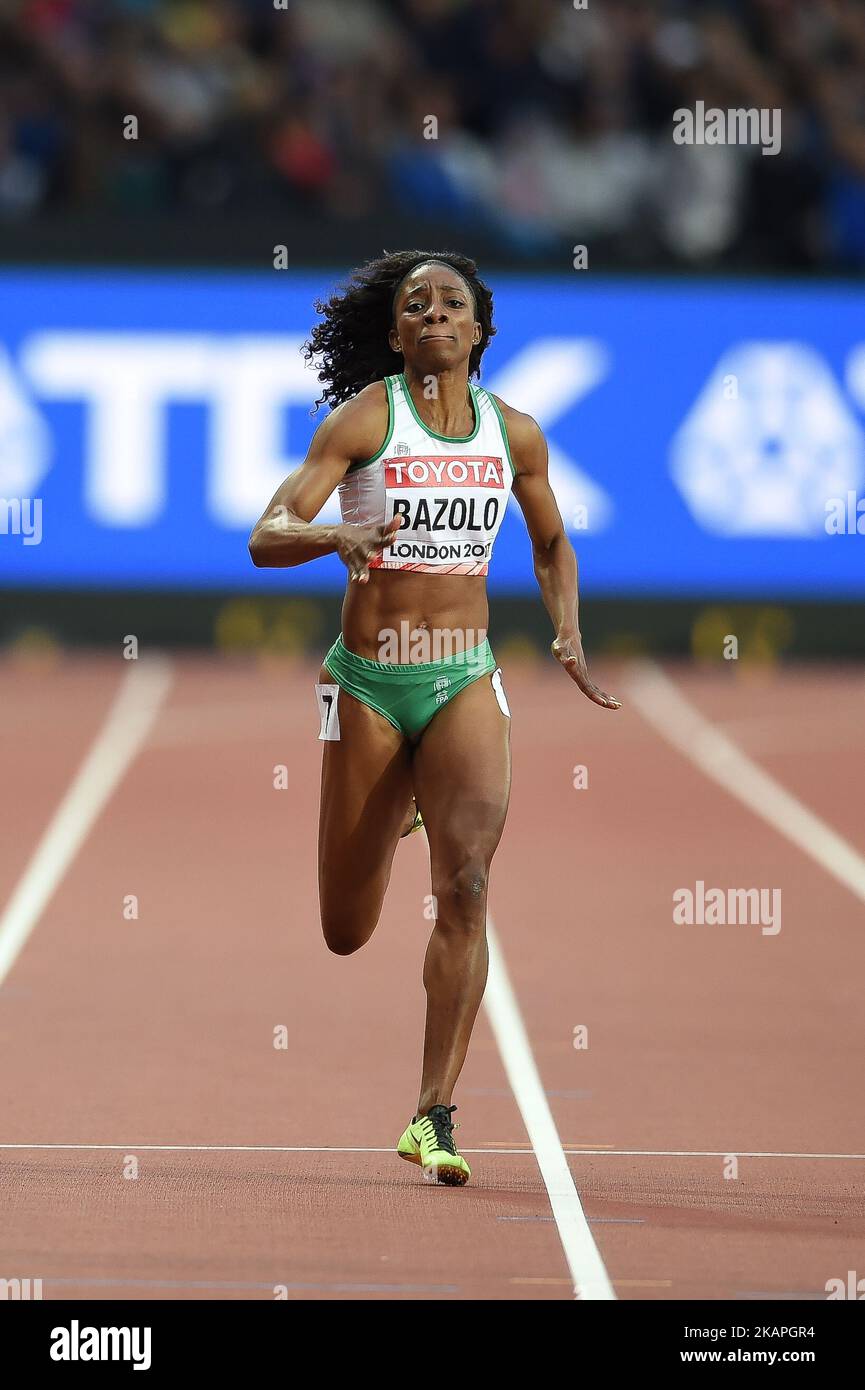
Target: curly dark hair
{"points": [[350, 345]]}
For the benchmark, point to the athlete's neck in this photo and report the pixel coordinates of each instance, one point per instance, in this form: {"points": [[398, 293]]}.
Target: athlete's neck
{"points": [[443, 401]]}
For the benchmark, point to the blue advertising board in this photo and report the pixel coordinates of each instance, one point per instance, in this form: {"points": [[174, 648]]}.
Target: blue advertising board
{"points": [[705, 438]]}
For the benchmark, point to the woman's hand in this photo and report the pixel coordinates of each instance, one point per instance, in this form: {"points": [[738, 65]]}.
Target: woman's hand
{"points": [[356, 545], [568, 649]]}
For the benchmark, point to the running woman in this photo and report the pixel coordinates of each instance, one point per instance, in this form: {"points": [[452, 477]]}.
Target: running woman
{"points": [[414, 731]]}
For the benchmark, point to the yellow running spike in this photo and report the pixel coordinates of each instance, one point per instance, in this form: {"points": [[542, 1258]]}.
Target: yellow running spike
{"points": [[428, 1141]]}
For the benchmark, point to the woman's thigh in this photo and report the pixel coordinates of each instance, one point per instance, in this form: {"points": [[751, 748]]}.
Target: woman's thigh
{"points": [[366, 786], [462, 778]]}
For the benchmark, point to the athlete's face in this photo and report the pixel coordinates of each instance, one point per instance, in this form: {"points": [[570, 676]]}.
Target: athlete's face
{"points": [[435, 327]]}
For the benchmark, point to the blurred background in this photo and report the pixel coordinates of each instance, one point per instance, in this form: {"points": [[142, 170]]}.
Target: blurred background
{"points": [[181, 179]]}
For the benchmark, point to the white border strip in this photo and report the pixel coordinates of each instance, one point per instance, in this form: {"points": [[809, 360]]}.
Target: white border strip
{"points": [[671, 715], [584, 1261], [129, 721]]}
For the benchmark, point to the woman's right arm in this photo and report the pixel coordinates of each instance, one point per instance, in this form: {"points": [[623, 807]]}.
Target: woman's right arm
{"points": [[283, 536]]}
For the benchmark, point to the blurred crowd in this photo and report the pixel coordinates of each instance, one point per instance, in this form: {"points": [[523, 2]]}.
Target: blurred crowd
{"points": [[535, 120]]}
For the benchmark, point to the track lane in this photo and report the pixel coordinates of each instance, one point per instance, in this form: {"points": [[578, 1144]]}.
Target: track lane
{"points": [[699, 1037], [161, 1031], [52, 709]]}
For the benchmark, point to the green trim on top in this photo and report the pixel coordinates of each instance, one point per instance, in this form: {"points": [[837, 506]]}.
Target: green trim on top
{"points": [[495, 405], [391, 415], [446, 438]]}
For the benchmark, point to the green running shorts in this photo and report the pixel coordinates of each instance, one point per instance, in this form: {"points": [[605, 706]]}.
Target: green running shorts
{"points": [[409, 696]]}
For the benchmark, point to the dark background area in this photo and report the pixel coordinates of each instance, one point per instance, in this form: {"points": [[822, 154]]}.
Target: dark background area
{"points": [[306, 125]]}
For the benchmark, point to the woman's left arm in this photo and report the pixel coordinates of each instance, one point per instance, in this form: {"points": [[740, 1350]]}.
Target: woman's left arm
{"points": [[554, 559]]}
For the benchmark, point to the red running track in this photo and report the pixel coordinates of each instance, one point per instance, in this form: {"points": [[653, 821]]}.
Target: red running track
{"points": [[706, 1044]]}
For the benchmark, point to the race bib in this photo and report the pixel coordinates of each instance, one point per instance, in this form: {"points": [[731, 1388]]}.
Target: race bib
{"points": [[328, 709], [496, 679]]}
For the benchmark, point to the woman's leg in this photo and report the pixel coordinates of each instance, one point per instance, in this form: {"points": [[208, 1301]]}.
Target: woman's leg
{"points": [[366, 788], [462, 776]]}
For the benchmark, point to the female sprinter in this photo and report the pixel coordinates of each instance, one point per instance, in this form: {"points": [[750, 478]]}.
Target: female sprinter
{"points": [[424, 462]]}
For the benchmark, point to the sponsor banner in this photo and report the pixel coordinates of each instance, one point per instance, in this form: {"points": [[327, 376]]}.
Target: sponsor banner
{"points": [[704, 438]]}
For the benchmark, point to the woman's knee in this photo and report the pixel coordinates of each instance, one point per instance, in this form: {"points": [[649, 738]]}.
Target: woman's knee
{"points": [[460, 888], [345, 932]]}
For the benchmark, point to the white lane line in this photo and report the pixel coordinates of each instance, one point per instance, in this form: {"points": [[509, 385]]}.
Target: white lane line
{"points": [[701, 1153], [126, 727], [591, 1280], [517, 1153], [663, 706]]}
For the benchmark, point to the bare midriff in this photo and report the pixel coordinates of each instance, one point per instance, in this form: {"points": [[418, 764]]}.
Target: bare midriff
{"points": [[391, 598]]}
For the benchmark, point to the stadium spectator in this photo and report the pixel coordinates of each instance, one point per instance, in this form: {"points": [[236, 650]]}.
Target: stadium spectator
{"points": [[548, 121]]}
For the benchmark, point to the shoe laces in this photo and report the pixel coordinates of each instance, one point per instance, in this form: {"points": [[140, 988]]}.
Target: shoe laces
{"points": [[439, 1119]]}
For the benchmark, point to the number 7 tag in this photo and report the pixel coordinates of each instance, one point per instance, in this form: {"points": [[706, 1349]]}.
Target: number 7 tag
{"points": [[327, 696]]}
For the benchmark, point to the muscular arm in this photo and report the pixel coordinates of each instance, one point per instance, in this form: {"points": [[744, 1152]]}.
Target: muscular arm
{"points": [[284, 536], [554, 560]]}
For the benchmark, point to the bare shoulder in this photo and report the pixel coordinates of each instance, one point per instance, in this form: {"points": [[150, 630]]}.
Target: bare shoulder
{"points": [[525, 437], [356, 428]]}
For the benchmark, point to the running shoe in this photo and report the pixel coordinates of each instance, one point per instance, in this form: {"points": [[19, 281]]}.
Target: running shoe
{"points": [[416, 824], [429, 1142]]}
